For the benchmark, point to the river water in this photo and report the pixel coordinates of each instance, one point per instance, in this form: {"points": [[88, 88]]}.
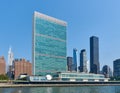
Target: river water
{"points": [[78, 89]]}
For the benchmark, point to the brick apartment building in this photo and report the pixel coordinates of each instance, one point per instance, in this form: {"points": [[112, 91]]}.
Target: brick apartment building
{"points": [[21, 66], [2, 65]]}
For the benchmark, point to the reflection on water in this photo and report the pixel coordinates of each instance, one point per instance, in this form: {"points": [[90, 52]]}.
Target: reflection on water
{"points": [[80, 89]]}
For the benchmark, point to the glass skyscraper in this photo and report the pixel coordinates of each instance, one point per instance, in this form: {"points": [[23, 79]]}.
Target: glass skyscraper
{"points": [[49, 45], [94, 55], [106, 70], [74, 66], [69, 63], [83, 61], [116, 68]]}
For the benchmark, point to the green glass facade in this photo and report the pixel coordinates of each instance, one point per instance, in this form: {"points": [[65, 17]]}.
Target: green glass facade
{"points": [[49, 45]]}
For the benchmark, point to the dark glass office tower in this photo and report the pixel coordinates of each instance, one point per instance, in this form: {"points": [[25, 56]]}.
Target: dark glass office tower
{"points": [[69, 63], [116, 68], [83, 61], [94, 55]]}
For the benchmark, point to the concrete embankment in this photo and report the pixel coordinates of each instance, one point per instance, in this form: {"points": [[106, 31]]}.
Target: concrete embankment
{"points": [[6, 85]]}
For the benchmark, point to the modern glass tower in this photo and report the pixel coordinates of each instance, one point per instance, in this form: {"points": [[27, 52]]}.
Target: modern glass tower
{"points": [[83, 61], [116, 68], [69, 63], [48, 45], [74, 67], [106, 70], [94, 55]]}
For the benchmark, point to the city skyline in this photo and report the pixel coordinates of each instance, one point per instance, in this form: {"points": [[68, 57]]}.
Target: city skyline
{"points": [[85, 19]]}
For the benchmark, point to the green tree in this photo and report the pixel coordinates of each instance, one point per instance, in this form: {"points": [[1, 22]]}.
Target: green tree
{"points": [[3, 77]]}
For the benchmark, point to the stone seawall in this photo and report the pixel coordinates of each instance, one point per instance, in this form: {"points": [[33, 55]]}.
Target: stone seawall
{"points": [[6, 85]]}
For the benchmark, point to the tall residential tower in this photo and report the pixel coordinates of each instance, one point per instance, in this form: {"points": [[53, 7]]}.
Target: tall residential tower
{"points": [[94, 55], [49, 45]]}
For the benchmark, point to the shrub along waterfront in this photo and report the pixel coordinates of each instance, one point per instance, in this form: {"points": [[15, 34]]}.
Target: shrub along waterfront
{"points": [[4, 77], [115, 79]]}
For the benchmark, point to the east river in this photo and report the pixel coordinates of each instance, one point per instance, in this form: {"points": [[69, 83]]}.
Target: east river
{"points": [[78, 89]]}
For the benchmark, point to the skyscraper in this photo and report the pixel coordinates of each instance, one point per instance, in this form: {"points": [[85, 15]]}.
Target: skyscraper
{"points": [[69, 63], [116, 68], [83, 61], [94, 55], [107, 71], [10, 57], [49, 45], [88, 65], [10, 63], [74, 66]]}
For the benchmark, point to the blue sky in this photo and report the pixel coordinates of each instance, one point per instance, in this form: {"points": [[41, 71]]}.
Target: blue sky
{"points": [[84, 17]]}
